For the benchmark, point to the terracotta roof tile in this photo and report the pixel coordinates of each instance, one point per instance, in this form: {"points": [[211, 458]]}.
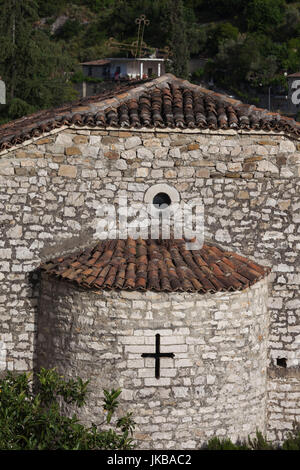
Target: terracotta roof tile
{"points": [[159, 265], [166, 102], [97, 62]]}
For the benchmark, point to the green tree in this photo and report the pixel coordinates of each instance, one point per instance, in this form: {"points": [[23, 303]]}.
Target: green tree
{"points": [[265, 15], [251, 60], [177, 39], [35, 69], [291, 60], [32, 420], [46, 8]]}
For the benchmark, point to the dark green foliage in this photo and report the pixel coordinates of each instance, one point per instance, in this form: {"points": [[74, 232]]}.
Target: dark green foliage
{"points": [[265, 15], [198, 75], [70, 28], [79, 77], [35, 69], [18, 108], [32, 420], [259, 442], [177, 39], [224, 444], [292, 442], [46, 8]]}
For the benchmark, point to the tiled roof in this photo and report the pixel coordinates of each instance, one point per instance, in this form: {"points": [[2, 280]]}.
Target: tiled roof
{"points": [[97, 62], [35, 125], [159, 265], [165, 102]]}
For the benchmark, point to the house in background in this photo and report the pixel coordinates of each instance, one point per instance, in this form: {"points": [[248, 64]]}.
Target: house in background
{"points": [[124, 68]]}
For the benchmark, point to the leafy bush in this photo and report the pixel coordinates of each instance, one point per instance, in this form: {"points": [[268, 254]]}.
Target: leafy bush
{"points": [[31, 417], [198, 75], [79, 77], [257, 443], [18, 108]]}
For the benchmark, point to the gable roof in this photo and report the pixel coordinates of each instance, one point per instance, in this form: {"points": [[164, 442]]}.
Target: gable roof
{"points": [[159, 265], [296, 74], [166, 102]]}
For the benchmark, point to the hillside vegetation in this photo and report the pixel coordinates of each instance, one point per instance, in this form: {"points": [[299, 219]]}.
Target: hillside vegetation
{"points": [[248, 44]]}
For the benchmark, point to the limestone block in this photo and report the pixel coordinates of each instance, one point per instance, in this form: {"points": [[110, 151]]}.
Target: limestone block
{"points": [[81, 139], [221, 167], [129, 154], [243, 195], [68, 171], [132, 142], [64, 139], [5, 253], [15, 232], [89, 174], [121, 165], [174, 153], [75, 199], [170, 174], [202, 173], [293, 304], [69, 212], [287, 146], [156, 174], [186, 172], [24, 253], [112, 155], [142, 172], [70, 151], [7, 170], [152, 142], [234, 166], [223, 235]]}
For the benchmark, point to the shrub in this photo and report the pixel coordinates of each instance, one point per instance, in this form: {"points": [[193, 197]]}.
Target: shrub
{"points": [[292, 442], [31, 417]]}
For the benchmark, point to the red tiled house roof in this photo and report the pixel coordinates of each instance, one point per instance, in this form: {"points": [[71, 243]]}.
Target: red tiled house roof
{"points": [[97, 62], [166, 102], [159, 265]]}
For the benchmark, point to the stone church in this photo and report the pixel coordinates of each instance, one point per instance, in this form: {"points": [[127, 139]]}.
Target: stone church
{"points": [[202, 342]]}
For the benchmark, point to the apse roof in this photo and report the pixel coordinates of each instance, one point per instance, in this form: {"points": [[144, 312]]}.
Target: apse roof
{"points": [[159, 265], [163, 103]]}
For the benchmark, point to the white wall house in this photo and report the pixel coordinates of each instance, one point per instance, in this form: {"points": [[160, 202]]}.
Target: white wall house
{"points": [[124, 68]]}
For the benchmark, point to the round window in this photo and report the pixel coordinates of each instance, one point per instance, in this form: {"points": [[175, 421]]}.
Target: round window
{"points": [[161, 196], [161, 201]]}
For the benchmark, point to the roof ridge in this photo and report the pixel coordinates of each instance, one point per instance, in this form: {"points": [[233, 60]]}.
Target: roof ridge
{"points": [[205, 109]]}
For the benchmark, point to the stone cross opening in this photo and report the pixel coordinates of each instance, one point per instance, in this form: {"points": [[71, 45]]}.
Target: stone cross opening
{"points": [[157, 355]]}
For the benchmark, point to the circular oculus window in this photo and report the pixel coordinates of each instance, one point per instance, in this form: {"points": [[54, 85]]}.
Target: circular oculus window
{"points": [[161, 196], [161, 201]]}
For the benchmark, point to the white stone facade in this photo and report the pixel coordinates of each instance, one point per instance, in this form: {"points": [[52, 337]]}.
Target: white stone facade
{"points": [[51, 187], [216, 383]]}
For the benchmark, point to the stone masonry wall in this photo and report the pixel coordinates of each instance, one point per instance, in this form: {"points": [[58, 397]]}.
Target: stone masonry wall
{"points": [[51, 188], [215, 384]]}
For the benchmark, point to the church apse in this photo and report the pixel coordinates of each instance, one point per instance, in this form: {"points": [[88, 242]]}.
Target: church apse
{"points": [[187, 344]]}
